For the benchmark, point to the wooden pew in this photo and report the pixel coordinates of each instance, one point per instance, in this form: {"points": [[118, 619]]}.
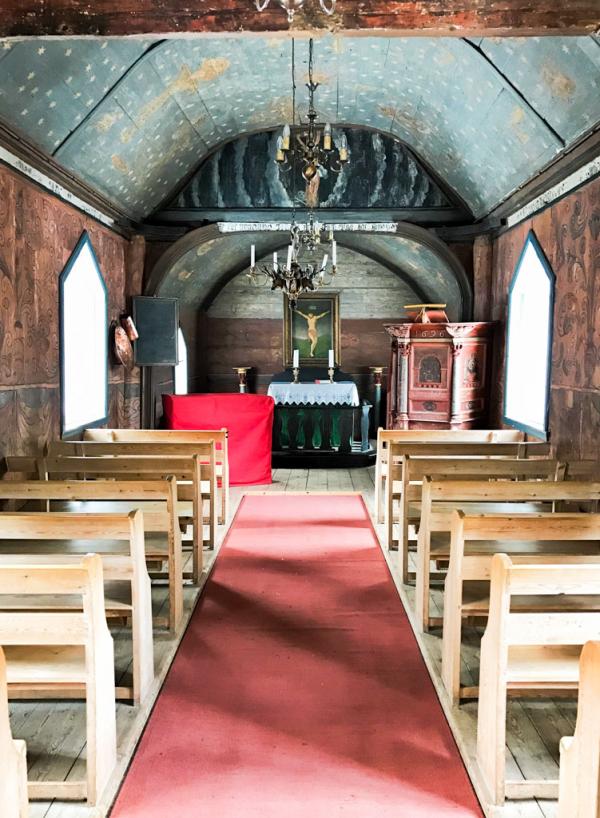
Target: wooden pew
{"points": [[156, 498], [579, 782], [439, 498], [190, 473], [41, 538], [527, 538], [206, 451], [532, 651], [407, 473], [387, 436], [176, 436], [53, 649], [13, 761]]}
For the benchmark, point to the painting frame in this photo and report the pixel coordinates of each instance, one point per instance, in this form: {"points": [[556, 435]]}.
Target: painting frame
{"points": [[295, 330]]}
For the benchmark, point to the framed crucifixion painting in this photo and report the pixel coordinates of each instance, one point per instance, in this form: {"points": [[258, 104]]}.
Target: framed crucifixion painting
{"points": [[312, 326]]}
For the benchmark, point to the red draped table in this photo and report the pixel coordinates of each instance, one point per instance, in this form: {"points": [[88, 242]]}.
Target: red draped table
{"points": [[248, 419]]}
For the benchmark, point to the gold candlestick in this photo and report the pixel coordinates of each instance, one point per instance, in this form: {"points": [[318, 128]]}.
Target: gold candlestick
{"points": [[241, 373]]}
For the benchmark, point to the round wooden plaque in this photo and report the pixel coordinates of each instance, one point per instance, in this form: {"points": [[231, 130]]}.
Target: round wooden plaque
{"points": [[122, 348]]}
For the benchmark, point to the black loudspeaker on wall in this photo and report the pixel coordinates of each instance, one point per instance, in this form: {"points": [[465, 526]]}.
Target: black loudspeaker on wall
{"points": [[157, 322]]}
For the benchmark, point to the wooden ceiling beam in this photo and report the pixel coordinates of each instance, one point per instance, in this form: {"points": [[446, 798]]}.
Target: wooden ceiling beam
{"points": [[37, 18]]}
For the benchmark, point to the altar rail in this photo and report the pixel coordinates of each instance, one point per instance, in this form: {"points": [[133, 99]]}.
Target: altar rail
{"points": [[324, 428]]}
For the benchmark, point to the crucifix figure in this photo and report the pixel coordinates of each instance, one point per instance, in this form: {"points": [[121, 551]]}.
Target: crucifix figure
{"points": [[313, 335]]}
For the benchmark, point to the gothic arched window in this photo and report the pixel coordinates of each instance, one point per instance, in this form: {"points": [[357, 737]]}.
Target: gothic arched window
{"points": [[529, 342], [83, 303]]}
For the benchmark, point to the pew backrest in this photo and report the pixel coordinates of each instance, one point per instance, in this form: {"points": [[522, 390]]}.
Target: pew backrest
{"points": [[440, 498], [537, 539], [176, 437], [531, 649], [58, 538], [156, 498], [85, 628]]}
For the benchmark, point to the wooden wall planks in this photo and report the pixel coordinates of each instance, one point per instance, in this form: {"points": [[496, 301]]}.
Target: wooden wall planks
{"points": [[38, 233], [569, 232]]}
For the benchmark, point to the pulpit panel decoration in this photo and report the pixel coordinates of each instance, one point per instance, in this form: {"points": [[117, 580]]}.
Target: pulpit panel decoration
{"points": [[438, 373]]}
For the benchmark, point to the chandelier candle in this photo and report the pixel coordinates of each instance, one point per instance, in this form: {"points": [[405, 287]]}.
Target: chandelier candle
{"points": [[252, 255], [275, 265]]}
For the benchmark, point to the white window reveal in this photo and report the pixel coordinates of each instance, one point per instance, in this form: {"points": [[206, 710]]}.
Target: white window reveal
{"points": [[181, 368], [529, 342], [83, 340]]}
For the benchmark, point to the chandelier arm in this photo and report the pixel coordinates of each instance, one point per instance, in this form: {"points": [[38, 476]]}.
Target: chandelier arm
{"points": [[261, 7]]}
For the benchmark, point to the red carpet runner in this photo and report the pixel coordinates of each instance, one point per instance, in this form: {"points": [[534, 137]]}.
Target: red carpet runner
{"points": [[298, 690]]}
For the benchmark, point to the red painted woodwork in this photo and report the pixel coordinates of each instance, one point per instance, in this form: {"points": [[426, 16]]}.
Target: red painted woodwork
{"points": [[569, 233], [38, 233], [247, 418], [438, 375], [457, 18]]}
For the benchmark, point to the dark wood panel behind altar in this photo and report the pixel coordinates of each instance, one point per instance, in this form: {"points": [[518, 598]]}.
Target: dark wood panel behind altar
{"points": [[38, 232], [569, 233], [229, 342]]}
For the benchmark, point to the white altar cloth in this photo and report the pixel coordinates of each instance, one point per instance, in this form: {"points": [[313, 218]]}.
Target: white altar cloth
{"points": [[343, 393]]}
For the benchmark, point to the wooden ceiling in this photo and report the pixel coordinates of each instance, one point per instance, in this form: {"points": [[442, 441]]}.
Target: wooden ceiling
{"points": [[429, 17]]}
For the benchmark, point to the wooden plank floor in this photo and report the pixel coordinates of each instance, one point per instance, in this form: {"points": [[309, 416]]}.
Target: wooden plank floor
{"points": [[534, 729]]}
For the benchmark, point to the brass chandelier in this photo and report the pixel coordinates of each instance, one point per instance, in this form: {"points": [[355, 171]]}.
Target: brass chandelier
{"points": [[311, 142], [297, 276]]}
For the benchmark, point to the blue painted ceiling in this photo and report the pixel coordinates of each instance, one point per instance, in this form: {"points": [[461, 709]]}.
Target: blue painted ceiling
{"points": [[134, 118]]}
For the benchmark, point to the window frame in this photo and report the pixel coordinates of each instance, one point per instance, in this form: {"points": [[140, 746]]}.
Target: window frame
{"points": [[543, 434], [84, 241], [181, 338]]}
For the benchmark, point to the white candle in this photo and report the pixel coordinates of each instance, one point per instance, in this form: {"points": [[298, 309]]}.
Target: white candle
{"points": [[289, 258], [275, 261], [331, 360], [252, 255], [296, 360], [324, 264], [334, 253]]}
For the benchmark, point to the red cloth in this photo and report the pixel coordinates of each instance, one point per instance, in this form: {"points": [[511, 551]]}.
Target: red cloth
{"points": [[298, 690], [248, 419]]}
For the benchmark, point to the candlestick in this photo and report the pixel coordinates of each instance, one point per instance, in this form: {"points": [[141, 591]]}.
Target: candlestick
{"points": [[241, 372], [252, 255], [296, 372], [331, 373], [296, 359]]}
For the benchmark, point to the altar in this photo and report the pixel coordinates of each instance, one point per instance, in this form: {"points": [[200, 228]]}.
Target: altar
{"points": [[319, 417]]}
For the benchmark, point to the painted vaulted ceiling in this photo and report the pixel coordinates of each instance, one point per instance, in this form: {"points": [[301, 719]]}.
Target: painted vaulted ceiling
{"points": [[134, 118]]}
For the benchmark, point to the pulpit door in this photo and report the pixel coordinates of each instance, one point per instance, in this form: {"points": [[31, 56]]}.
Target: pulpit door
{"points": [[430, 379]]}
